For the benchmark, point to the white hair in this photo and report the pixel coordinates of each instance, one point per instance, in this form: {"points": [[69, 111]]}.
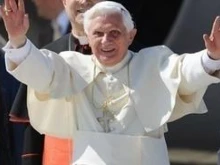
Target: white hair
{"points": [[107, 8]]}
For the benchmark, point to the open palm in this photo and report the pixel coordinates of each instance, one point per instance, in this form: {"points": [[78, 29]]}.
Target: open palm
{"points": [[15, 20], [212, 42]]}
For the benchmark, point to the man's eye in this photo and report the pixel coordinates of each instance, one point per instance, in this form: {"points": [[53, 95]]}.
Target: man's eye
{"points": [[115, 33], [98, 34]]}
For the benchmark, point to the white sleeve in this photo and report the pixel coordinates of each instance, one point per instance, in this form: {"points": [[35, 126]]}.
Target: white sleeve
{"points": [[21, 53], [210, 65]]}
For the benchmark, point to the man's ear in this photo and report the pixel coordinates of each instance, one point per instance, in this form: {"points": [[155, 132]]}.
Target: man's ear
{"points": [[132, 34]]}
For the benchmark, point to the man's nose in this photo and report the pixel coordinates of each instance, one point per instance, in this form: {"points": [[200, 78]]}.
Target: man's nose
{"points": [[106, 39]]}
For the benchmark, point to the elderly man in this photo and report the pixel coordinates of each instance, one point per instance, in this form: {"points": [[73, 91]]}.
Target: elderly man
{"points": [[76, 41], [55, 149], [116, 103]]}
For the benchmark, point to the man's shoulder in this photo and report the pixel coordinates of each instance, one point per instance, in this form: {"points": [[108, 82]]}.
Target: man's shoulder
{"points": [[155, 51], [155, 55], [74, 56], [157, 48]]}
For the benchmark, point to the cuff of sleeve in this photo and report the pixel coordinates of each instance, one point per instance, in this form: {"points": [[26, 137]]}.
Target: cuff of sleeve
{"points": [[210, 65], [17, 55]]}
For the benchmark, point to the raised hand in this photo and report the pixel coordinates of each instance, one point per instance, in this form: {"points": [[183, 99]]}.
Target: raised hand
{"points": [[212, 42], [16, 21]]}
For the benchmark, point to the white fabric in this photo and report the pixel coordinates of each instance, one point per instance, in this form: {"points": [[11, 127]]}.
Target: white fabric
{"points": [[110, 149], [162, 87], [210, 65], [85, 70], [22, 52]]}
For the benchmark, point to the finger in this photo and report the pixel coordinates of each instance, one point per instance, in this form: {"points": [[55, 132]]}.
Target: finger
{"points": [[4, 15], [2, 12], [26, 21], [21, 6], [216, 25], [6, 4], [13, 5], [208, 43]]}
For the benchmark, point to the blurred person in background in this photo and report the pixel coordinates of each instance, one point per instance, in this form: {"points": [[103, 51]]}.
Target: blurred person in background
{"points": [[53, 10]]}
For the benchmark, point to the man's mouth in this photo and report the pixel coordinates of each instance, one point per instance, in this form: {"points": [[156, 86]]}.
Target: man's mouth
{"points": [[108, 50]]}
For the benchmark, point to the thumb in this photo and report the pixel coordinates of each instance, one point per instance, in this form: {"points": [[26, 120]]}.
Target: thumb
{"points": [[26, 23], [208, 43]]}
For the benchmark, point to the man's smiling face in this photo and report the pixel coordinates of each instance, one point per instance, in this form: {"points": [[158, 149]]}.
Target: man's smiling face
{"points": [[109, 38]]}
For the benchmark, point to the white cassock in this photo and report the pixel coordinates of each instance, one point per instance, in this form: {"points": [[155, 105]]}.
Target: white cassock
{"points": [[116, 115]]}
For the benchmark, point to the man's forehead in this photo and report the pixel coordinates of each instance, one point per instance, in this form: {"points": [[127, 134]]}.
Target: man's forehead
{"points": [[107, 23], [108, 17]]}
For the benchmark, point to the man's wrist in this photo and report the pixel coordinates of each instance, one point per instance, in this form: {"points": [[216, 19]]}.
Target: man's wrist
{"points": [[210, 65], [17, 42]]}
